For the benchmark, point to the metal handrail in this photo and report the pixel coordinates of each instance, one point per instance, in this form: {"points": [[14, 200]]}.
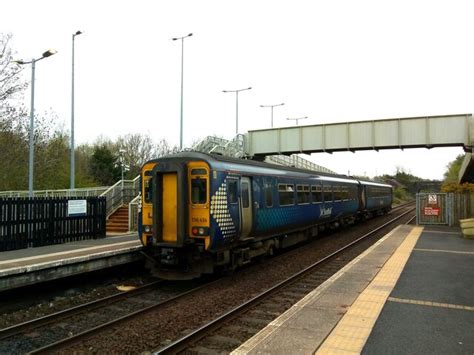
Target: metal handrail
{"points": [[80, 192], [236, 148], [120, 193], [133, 208], [297, 162]]}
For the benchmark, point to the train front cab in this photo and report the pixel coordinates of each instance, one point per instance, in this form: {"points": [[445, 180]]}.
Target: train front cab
{"points": [[175, 215]]}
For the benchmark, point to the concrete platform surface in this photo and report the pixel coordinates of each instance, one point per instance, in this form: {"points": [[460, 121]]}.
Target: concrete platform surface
{"points": [[408, 293], [32, 265], [431, 309]]}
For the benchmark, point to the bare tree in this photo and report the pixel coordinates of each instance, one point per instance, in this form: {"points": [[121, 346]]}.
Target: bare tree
{"points": [[139, 148]]}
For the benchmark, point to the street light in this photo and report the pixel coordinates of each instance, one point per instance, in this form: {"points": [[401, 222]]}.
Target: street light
{"points": [[237, 106], [46, 54], [272, 106], [182, 73], [297, 119], [72, 114]]}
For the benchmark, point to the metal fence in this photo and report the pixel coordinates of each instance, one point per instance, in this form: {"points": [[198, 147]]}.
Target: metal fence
{"points": [[79, 192], [40, 221], [443, 208], [121, 193]]}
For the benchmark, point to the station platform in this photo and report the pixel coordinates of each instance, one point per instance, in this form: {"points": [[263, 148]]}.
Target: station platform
{"points": [[33, 265], [410, 293]]}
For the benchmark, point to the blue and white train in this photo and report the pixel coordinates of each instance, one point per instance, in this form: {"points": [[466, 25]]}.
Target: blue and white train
{"points": [[200, 213]]}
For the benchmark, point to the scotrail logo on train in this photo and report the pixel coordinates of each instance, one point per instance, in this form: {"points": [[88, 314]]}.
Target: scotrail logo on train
{"points": [[325, 212]]}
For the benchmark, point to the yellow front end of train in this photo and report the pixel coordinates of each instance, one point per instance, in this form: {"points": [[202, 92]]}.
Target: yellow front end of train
{"points": [[175, 212]]}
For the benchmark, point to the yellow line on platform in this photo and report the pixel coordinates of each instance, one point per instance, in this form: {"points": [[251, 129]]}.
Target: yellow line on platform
{"points": [[446, 251], [353, 330], [431, 304]]}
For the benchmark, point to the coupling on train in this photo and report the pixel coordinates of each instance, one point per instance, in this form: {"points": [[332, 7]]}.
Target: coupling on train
{"points": [[201, 213]]}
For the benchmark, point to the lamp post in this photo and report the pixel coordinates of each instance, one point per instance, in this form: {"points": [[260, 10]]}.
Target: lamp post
{"points": [[237, 106], [182, 73], [297, 119], [72, 114], [46, 54], [272, 106]]}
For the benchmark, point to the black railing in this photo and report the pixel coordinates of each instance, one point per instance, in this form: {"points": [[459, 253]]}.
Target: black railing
{"points": [[39, 221]]}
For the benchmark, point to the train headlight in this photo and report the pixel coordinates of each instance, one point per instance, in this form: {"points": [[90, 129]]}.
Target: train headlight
{"points": [[147, 229], [199, 231]]}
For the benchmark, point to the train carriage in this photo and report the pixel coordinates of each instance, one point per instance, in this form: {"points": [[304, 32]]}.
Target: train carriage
{"points": [[200, 212]]}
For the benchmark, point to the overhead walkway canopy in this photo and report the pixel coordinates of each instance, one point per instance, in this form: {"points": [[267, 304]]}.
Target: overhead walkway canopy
{"points": [[394, 133]]}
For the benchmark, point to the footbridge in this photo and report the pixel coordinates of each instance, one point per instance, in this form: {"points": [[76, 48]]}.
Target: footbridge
{"points": [[394, 133]]}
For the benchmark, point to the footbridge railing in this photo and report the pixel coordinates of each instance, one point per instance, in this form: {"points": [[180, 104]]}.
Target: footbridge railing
{"points": [[121, 193], [81, 192]]}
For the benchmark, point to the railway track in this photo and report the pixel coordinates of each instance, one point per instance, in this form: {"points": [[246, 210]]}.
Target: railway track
{"points": [[60, 330], [231, 329]]}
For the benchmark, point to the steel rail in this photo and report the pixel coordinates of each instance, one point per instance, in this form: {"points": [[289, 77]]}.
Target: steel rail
{"points": [[182, 343], [73, 311], [76, 337]]}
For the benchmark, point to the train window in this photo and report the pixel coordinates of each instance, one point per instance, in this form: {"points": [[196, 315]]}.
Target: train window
{"points": [[198, 191], [344, 193], [245, 194], [316, 196], [232, 191], [327, 193], [286, 194], [198, 172], [268, 195], [148, 190], [302, 194], [353, 193], [337, 193]]}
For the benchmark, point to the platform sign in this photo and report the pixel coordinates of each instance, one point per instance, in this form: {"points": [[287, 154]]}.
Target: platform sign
{"points": [[76, 207], [431, 211], [432, 199]]}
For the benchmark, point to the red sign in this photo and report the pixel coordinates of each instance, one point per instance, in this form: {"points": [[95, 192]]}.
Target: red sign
{"points": [[431, 211]]}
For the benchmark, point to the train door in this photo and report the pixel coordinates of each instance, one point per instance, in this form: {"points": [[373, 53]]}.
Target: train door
{"points": [[245, 207], [362, 196], [170, 207]]}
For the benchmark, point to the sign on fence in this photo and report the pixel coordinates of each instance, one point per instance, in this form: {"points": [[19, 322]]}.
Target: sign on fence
{"points": [[76, 207], [432, 199], [431, 211]]}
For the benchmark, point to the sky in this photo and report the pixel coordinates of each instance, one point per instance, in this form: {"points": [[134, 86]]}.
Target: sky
{"points": [[332, 61]]}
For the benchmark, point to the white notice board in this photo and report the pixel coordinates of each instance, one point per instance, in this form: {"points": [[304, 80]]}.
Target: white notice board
{"points": [[76, 207]]}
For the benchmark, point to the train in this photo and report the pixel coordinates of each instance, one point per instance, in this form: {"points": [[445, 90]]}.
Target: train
{"points": [[203, 213]]}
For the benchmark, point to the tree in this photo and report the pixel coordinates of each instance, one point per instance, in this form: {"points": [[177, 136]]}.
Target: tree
{"points": [[11, 82], [103, 167], [138, 149], [13, 147], [451, 177], [453, 168]]}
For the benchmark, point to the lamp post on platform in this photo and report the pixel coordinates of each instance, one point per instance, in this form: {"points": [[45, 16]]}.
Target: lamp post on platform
{"points": [[73, 167], [46, 54], [236, 106], [182, 73], [297, 119], [272, 106]]}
